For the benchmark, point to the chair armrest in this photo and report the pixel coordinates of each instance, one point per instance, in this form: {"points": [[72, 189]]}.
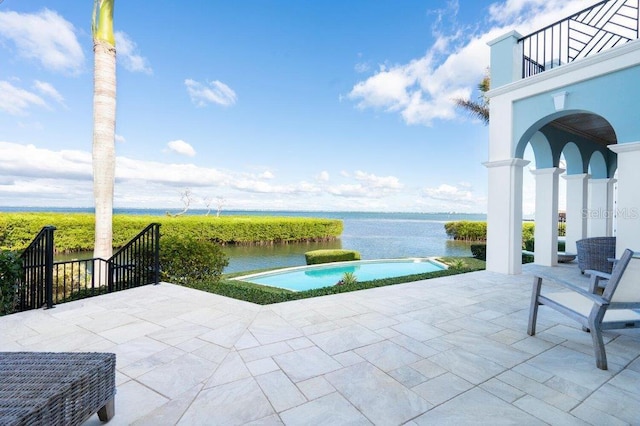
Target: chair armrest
{"points": [[571, 286], [598, 280], [598, 274]]}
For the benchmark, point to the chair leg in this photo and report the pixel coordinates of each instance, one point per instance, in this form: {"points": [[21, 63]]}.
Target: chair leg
{"points": [[595, 326], [107, 412], [533, 309]]}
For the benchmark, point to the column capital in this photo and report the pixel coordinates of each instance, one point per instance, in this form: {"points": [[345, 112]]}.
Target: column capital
{"points": [[511, 162], [577, 176], [624, 147], [547, 171]]}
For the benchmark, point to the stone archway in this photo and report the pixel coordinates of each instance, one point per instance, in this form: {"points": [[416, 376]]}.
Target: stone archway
{"points": [[583, 137]]}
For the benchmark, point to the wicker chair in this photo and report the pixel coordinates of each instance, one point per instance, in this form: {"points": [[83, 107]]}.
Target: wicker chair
{"points": [[595, 253]]}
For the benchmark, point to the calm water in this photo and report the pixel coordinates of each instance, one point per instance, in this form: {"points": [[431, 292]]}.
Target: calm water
{"points": [[318, 276], [374, 235]]}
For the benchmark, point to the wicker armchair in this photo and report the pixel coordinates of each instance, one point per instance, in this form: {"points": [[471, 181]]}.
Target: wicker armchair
{"points": [[596, 253]]}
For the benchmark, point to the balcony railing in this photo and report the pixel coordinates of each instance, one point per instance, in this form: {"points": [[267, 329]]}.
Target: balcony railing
{"points": [[604, 25], [46, 283]]}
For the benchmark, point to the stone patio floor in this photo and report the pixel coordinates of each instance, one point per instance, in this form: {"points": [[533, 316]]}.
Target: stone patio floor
{"points": [[451, 350]]}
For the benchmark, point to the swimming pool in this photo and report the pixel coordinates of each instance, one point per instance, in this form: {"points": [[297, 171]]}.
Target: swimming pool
{"points": [[309, 277]]}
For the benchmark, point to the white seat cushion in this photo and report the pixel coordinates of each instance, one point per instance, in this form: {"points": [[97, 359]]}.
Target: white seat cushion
{"points": [[580, 304]]}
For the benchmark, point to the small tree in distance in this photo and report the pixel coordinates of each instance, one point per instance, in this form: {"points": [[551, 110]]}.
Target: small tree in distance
{"points": [[220, 202], [187, 198]]}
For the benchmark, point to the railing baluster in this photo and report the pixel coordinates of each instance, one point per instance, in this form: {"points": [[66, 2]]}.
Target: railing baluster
{"points": [[613, 22]]}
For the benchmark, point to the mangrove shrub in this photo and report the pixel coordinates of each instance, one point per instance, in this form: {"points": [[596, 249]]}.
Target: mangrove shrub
{"points": [[184, 260], [74, 231], [10, 275]]}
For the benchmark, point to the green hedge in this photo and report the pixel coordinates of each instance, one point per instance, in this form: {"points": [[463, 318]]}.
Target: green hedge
{"points": [[479, 251], [75, 230], [530, 245], [315, 257], [186, 259], [477, 231]]}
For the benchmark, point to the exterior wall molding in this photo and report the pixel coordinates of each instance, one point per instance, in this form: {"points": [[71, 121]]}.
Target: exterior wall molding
{"points": [[583, 67], [625, 147]]}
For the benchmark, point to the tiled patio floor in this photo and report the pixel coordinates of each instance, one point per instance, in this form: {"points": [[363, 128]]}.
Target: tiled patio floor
{"points": [[450, 350]]}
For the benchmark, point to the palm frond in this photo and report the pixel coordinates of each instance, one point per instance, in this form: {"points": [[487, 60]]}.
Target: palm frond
{"points": [[476, 109]]}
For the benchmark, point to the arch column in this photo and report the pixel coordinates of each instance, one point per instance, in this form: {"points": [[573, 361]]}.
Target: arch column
{"points": [[576, 225], [504, 216], [628, 206], [546, 218], [600, 211]]}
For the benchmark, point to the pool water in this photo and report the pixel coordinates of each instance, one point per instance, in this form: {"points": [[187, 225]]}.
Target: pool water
{"points": [[317, 276]]}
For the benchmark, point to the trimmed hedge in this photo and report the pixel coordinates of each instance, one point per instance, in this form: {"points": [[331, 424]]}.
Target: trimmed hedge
{"points": [[75, 230], [529, 245], [315, 257], [479, 251], [466, 230]]}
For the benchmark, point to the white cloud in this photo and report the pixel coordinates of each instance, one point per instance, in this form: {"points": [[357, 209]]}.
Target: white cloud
{"points": [[380, 182], [30, 175], [128, 54], [444, 192], [424, 89], [181, 147], [28, 161], [25, 164], [213, 92], [120, 138], [323, 176], [367, 185], [16, 101], [47, 89], [45, 37]]}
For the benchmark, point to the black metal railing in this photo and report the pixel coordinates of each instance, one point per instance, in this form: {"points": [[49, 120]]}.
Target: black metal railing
{"points": [[37, 279], [77, 279], [46, 283], [604, 25], [138, 262]]}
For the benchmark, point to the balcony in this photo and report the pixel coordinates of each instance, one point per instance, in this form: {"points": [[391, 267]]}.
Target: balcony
{"points": [[605, 25]]}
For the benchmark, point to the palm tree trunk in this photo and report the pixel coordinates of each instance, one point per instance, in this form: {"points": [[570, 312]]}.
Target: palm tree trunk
{"points": [[104, 122]]}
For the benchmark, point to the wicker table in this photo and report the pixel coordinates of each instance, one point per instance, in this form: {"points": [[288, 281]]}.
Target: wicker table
{"points": [[56, 388]]}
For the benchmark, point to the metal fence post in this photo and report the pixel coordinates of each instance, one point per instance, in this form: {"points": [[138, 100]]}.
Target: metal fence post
{"points": [[156, 254], [48, 262]]}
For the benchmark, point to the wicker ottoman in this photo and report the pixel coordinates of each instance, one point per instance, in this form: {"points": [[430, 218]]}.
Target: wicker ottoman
{"points": [[56, 388]]}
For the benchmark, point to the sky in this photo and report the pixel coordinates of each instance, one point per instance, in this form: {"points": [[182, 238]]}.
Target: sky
{"points": [[326, 105]]}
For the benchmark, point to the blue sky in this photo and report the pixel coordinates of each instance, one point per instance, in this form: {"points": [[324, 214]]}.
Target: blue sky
{"points": [[258, 104]]}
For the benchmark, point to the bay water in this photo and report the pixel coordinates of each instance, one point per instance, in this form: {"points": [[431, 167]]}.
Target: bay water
{"points": [[374, 235]]}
